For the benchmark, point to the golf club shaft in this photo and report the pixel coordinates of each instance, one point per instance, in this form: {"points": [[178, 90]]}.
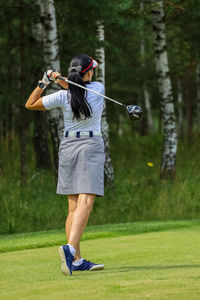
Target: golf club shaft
{"points": [[74, 83]]}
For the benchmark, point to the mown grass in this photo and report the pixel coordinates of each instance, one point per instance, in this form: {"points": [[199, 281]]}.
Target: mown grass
{"points": [[162, 265], [138, 194], [14, 242]]}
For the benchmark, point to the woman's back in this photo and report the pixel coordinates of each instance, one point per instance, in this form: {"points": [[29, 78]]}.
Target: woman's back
{"points": [[62, 100]]}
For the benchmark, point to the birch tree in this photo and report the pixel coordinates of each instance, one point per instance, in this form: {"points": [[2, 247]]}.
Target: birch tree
{"points": [[100, 76], [47, 32], [40, 136], [165, 89], [147, 102]]}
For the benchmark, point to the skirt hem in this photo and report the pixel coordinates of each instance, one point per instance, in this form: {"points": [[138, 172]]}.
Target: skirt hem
{"points": [[62, 191]]}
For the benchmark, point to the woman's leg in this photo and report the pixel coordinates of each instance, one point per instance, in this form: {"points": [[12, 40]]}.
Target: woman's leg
{"points": [[80, 218], [72, 204]]}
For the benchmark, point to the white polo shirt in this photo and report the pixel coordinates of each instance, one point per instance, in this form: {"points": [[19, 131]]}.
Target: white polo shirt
{"points": [[62, 98]]}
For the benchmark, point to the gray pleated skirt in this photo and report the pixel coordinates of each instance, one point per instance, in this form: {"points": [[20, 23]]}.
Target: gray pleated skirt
{"points": [[81, 166]]}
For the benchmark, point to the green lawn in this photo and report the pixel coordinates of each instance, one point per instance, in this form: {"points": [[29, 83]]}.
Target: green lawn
{"points": [[150, 265]]}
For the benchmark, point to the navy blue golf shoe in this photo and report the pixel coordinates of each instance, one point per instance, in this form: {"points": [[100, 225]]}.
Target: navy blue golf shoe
{"points": [[88, 266], [67, 259]]}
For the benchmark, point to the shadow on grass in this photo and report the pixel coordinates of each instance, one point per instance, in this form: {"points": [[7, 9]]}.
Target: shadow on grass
{"points": [[146, 268], [126, 269]]}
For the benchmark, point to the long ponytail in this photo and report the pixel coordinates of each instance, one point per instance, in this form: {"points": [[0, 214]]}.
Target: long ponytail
{"points": [[79, 104]]}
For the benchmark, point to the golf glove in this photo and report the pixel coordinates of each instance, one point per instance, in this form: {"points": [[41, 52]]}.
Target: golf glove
{"points": [[47, 79]]}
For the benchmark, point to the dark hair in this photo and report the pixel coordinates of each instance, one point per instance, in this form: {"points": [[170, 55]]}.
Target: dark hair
{"points": [[79, 103]]}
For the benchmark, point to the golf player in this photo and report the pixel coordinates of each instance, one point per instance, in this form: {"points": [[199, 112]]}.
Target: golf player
{"points": [[81, 151]]}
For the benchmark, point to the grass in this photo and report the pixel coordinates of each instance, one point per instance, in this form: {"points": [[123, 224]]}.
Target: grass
{"points": [[42, 239], [162, 265]]}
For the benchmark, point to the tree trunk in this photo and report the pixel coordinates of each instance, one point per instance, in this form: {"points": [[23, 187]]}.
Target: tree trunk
{"points": [[10, 106], [42, 154], [198, 92], [180, 107], [47, 30], [189, 101], [1, 135], [22, 120], [4, 129], [120, 125], [165, 89], [100, 76], [1, 144], [150, 124], [10, 128], [41, 127]]}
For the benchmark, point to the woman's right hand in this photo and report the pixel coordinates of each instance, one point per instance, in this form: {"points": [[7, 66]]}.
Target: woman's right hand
{"points": [[54, 76], [62, 83]]}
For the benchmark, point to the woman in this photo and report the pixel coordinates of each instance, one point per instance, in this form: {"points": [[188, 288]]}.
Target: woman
{"points": [[81, 152]]}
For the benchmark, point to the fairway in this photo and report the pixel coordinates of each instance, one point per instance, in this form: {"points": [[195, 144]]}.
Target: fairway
{"points": [[152, 265]]}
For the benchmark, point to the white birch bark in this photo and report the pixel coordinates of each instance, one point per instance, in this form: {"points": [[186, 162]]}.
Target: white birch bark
{"points": [[165, 88], [100, 76], [198, 92], [147, 102], [47, 32], [180, 107]]}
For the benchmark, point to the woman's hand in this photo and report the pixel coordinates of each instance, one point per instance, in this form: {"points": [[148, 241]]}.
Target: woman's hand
{"points": [[54, 76], [46, 79], [62, 83]]}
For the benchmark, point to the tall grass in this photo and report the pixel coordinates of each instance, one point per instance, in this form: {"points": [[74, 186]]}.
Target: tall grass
{"points": [[138, 194]]}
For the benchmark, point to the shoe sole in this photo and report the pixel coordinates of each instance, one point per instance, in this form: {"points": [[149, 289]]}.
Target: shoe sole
{"points": [[64, 267], [97, 268]]}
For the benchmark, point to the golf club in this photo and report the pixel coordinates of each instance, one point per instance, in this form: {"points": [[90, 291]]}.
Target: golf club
{"points": [[134, 112]]}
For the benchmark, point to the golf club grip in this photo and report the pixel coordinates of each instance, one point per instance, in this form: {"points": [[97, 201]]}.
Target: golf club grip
{"points": [[61, 78], [76, 84]]}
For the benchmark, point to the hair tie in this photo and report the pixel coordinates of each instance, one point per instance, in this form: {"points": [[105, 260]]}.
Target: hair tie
{"points": [[76, 68]]}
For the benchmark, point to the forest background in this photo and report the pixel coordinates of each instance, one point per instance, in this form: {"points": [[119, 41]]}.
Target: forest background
{"points": [[139, 191]]}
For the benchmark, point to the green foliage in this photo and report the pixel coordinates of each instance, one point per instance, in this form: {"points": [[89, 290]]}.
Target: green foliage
{"points": [[138, 195]]}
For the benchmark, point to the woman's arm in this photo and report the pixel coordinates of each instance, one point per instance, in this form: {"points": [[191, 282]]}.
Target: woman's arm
{"points": [[34, 102]]}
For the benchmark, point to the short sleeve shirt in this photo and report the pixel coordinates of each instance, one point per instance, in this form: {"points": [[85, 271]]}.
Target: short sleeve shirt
{"points": [[62, 100]]}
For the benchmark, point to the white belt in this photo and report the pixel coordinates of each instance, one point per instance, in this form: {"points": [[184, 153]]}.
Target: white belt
{"points": [[82, 133]]}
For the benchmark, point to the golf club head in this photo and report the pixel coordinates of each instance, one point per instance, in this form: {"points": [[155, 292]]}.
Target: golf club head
{"points": [[134, 112]]}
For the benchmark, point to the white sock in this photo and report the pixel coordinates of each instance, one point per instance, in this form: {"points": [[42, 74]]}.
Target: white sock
{"points": [[72, 250], [77, 262]]}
